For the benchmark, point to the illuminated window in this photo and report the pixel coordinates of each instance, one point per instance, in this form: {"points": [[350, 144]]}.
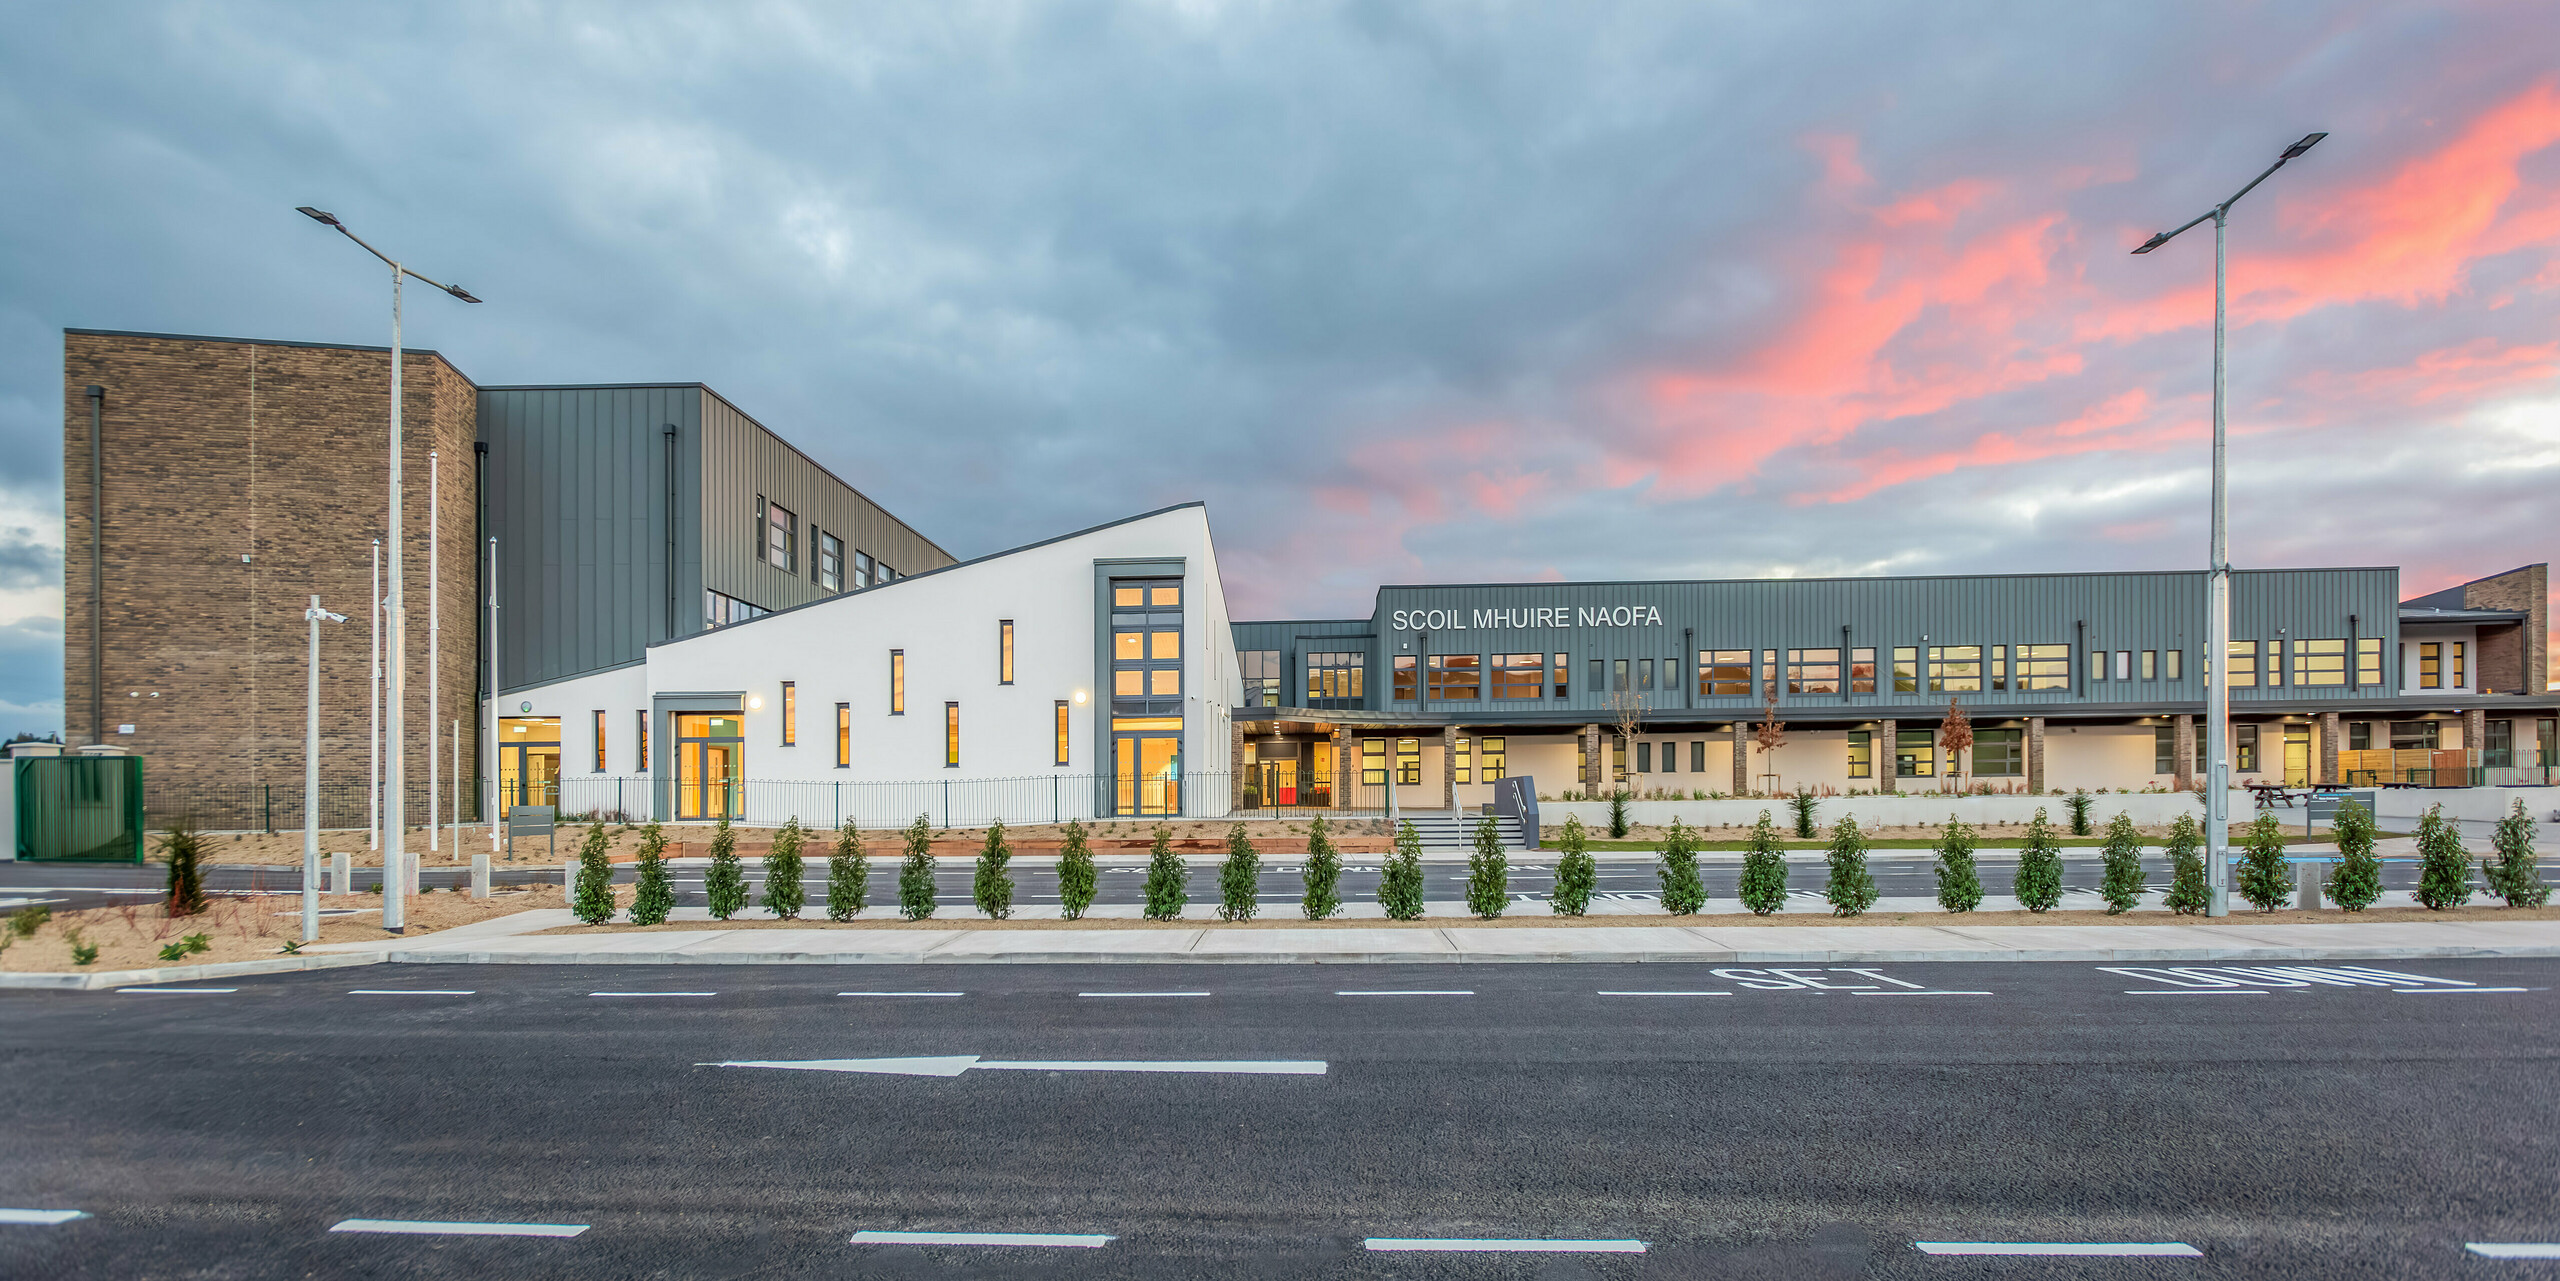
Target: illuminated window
{"points": [[640, 736], [1915, 753], [1955, 669], [1999, 667], [1490, 753], [790, 713], [2173, 664], [2456, 676], [1564, 676], [1405, 689], [599, 743], [897, 682], [1373, 762], [1862, 671], [2369, 660], [1146, 648], [1460, 751], [1456, 677], [2124, 664], [1334, 678], [2273, 666], [1409, 762], [2244, 749], [1862, 754], [1724, 673], [844, 735], [2320, 662], [951, 736], [1004, 651], [2244, 664], [1519, 675], [2151, 664], [2044, 667], [1813, 671], [2097, 664], [1062, 732]]}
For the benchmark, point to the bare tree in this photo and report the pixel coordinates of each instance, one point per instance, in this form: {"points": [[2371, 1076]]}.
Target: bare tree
{"points": [[1955, 734], [1626, 715], [1770, 733]]}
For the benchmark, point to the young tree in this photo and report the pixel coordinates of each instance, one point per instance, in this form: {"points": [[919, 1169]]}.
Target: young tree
{"points": [[2264, 879], [2356, 881], [915, 871], [1575, 874], [1682, 892], [654, 898], [2444, 867], [594, 900], [848, 875], [784, 895], [2122, 882], [1618, 823], [1321, 874], [1168, 879], [1803, 803], [1764, 870], [2077, 805], [1076, 875], [1851, 888], [1400, 881], [2189, 895], [183, 850], [992, 886], [1959, 882], [2039, 866], [724, 883], [1488, 873], [1955, 734], [1239, 878], [1626, 714], [2511, 874], [1771, 733]]}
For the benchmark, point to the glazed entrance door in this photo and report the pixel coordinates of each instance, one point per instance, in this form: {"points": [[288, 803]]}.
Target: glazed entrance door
{"points": [[711, 753], [1147, 769]]}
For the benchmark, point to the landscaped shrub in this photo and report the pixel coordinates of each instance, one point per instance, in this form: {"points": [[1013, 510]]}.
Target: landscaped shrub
{"points": [[1575, 873], [2122, 882], [2356, 881], [1850, 887], [725, 881], [915, 871], [2078, 804], [2189, 894], [784, 895], [1488, 873], [1802, 803], [992, 886], [1682, 892], [654, 896], [1400, 880], [2511, 873], [2264, 879], [848, 875], [594, 903], [1764, 870], [27, 920], [1618, 815], [82, 951], [1959, 882], [1075, 874], [2039, 866], [1321, 874], [1168, 879], [183, 850], [1239, 878], [2444, 867]]}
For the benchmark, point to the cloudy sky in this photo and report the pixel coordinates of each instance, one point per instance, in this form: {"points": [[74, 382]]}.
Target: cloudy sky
{"points": [[1407, 291]]}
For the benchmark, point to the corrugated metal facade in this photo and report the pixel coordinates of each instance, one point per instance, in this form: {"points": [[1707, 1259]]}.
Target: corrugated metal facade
{"points": [[742, 461]]}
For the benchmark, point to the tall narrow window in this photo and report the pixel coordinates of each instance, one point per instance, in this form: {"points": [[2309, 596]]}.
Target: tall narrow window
{"points": [[1862, 670], [2457, 673], [2274, 663], [951, 736], [897, 682], [1458, 760], [599, 743], [828, 565], [861, 568], [790, 713], [1999, 667], [844, 736], [2368, 660], [1644, 758], [1490, 757], [1862, 754], [1409, 762], [2244, 748], [640, 737], [1062, 732], [1004, 652], [758, 547], [781, 538], [2124, 664], [1564, 676], [2173, 664], [1618, 682], [1644, 674], [2097, 664], [1406, 690], [1697, 756], [1906, 669], [2151, 664]]}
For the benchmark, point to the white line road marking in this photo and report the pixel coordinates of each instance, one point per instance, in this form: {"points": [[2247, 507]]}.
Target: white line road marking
{"points": [[180, 991], [2514, 1250], [426, 1227], [1930, 993], [653, 994], [2197, 991], [411, 991], [902, 994], [2457, 990], [41, 1218], [955, 1064], [1069, 1240], [1142, 994], [1662, 993], [2105, 1249], [1485, 1245], [1410, 992]]}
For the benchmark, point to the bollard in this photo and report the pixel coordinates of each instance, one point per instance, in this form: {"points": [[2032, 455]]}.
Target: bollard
{"points": [[569, 878], [479, 876], [342, 869], [2306, 882]]}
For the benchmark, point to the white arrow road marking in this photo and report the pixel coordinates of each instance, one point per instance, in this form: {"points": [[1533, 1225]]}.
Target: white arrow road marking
{"points": [[176, 991], [41, 1218], [902, 994], [427, 1227], [955, 1064], [2109, 1249], [2514, 1250], [1480, 1245], [411, 991], [1073, 1240], [2455, 991], [1409, 992]]}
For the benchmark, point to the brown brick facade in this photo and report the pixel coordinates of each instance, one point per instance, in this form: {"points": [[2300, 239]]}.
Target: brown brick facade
{"points": [[214, 450], [2514, 660]]}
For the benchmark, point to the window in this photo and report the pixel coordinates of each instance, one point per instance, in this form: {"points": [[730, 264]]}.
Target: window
{"points": [[1862, 671], [1458, 760], [1490, 764], [844, 736], [599, 746], [1999, 753], [1862, 754], [2273, 665], [1644, 674], [1062, 732], [1519, 675], [1618, 675], [2456, 677], [2244, 749], [1409, 762], [2320, 662], [640, 736], [951, 736], [1403, 676], [1564, 673], [1618, 759], [2431, 665], [1334, 678], [2173, 663], [2369, 660], [2151, 664], [1004, 651], [2044, 667], [1670, 674], [881, 573], [781, 538], [1599, 676], [897, 682], [1644, 758], [1456, 677], [1146, 647], [758, 545], [790, 713], [2000, 667], [719, 609], [1581, 758], [2097, 664], [2498, 744], [1955, 669], [1373, 762], [1671, 758], [1915, 753], [2359, 736], [2244, 664], [2124, 664], [1906, 669], [1813, 671], [2164, 750], [828, 564], [1261, 671], [2547, 735], [1724, 673], [2413, 736], [861, 569]]}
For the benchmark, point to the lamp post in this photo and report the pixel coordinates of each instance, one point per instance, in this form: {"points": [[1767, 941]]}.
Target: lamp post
{"points": [[311, 777], [395, 808], [2217, 661]]}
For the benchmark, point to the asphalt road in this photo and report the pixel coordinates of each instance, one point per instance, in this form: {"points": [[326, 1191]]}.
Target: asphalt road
{"points": [[1814, 1123], [1897, 873]]}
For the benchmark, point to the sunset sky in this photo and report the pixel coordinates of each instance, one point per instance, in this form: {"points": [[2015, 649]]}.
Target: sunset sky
{"points": [[1407, 292]]}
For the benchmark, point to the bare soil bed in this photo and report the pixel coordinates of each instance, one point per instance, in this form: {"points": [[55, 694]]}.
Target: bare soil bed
{"points": [[243, 928]]}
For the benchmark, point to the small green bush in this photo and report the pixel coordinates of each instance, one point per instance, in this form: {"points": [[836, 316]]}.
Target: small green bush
{"points": [[848, 875], [1802, 803], [1576, 876], [2121, 884], [594, 899], [183, 850], [2078, 804], [1764, 870], [2264, 879], [1321, 874], [27, 920], [724, 883], [992, 886], [1683, 893], [2444, 867], [915, 871], [174, 952], [1488, 872], [654, 896], [2039, 877], [195, 943], [82, 950], [1959, 881], [1168, 879], [2356, 881], [1618, 815], [2189, 893], [1076, 874], [2511, 873], [1850, 887], [1400, 880], [1239, 877]]}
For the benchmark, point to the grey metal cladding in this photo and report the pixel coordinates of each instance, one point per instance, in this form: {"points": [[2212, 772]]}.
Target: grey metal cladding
{"points": [[741, 459], [575, 482]]}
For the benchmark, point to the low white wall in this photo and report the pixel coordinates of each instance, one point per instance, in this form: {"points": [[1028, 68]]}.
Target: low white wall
{"points": [[2398, 806], [2147, 808]]}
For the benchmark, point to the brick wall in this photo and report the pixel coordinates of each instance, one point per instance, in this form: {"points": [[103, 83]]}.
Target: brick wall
{"points": [[214, 450], [2515, 660]]}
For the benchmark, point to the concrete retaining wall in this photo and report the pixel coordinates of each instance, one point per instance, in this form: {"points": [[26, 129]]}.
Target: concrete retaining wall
{"points": [[2147, 808]]}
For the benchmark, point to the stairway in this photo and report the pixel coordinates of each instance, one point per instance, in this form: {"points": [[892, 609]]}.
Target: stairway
{"points": [[1442, 834]]}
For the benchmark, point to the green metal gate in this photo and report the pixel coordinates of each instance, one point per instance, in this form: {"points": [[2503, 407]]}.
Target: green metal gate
{"points": [[79, 809]]}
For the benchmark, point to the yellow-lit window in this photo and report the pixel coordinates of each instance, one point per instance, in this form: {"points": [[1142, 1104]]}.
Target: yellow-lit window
{"points": [[1164, 596], [1004, 659], [1459, 758], [2320, 662], [1490, 755], [599, 743], [640, 736], [1164, 645], [897, 682], [1724, 672], [2456, 674], [844, 735], [1128, 684], [1121, 596], [2244, 664], [1062, 732], [1128, 647], [951, 736], [790, 713], [1164, 681]]}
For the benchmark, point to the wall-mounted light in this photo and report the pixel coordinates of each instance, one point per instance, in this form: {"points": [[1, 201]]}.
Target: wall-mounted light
{"points": [[754, 702], [1079, 696]]}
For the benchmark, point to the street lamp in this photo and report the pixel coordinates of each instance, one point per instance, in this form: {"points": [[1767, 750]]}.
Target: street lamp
{"points": [[394, 823], [2217, 661]]}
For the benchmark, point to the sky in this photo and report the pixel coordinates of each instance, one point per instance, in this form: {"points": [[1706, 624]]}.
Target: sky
{"points": [[1407, 292]]}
